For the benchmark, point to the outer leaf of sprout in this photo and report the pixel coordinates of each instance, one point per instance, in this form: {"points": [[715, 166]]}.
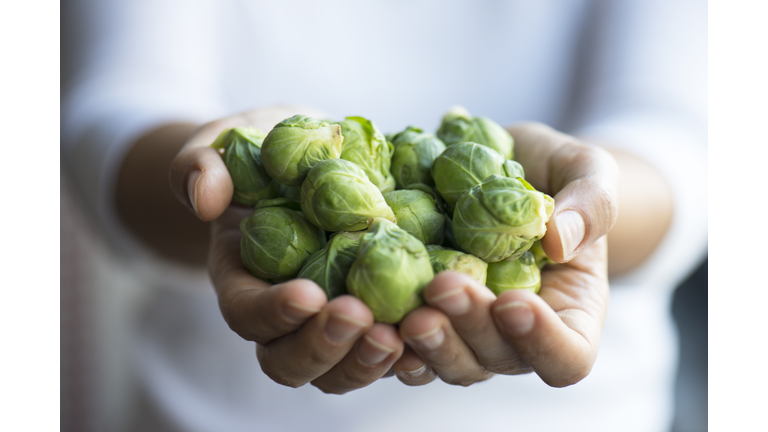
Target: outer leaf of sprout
{"points": [[513, 169], [241, 151], [367, 147], [329, 267]]}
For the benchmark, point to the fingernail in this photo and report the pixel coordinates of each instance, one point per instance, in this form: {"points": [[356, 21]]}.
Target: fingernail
{"points": [[372, 352], [298, 313], [414, 373], [341, 328], [516, 316], [571, 227], [194, 179], [430, 340], [454, 302]]}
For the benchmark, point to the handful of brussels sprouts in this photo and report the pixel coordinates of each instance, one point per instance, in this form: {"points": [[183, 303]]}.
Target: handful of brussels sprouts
{"points": [[378, 216]]}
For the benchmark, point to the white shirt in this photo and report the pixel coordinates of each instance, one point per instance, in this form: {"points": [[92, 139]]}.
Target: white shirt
{"points": [[629, 73]]}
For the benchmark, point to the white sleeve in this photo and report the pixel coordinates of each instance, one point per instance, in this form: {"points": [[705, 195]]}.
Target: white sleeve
{"points": [[644, 89], [139, 64]]}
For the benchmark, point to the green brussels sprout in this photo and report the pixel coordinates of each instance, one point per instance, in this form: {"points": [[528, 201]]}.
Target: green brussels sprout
{"points": [[415, 152], [417, 213], [366, 146], [463, 166], [390, 272], [337, 196], [508, 274], [277, 240], [241, 150], [296, 144], [458, 126], [501, 218], [539, 255], [330, 266], [443, 259]]}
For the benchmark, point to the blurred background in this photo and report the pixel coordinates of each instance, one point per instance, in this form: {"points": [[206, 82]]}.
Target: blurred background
{"points": [[100, 299]]}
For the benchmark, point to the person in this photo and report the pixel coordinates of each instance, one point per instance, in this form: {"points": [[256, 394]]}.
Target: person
{"points": [[159, 80]]}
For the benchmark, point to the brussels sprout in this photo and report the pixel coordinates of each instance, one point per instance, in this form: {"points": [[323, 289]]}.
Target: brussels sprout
{"points": [[443, 259], [337, 196], [390, 272], [463, 166], [296, 144], [501, 218], [330, 266], [539, 255], [277, 241], [241, 151], [415, 152], [521, 273], [417, 213], [458, 126], [366, 146]]}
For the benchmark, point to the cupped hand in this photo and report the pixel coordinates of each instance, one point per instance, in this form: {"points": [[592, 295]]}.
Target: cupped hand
{"points": [[466, 334], [300, 336]]}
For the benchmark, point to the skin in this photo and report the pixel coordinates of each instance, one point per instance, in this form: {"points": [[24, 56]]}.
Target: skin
{"points": [[464, 334]]}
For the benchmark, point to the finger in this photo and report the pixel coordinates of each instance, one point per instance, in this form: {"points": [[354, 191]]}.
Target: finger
{"points": [[200, 181], [369, 360], [412, 370], [467, 303], [583, 180], [252, 308], [430, 334], [558, 332], [322, 342], [199, 177]]}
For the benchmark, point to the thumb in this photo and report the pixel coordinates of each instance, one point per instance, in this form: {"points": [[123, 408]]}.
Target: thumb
{"points": [[583, 179], [586, 203]]}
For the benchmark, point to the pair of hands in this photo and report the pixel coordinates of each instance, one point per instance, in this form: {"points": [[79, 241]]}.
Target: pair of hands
{"points": [[465, 334]]}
